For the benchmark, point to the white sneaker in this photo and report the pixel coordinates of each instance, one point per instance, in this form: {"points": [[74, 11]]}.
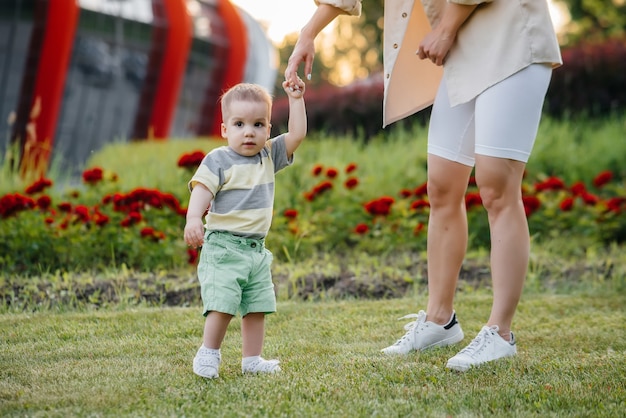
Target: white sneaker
{"points": [[206, 363], [487, 346], [261, 366], [422, 335]]}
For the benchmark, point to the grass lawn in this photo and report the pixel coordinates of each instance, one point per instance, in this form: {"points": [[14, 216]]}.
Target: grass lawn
{"points": [[129, 361]]}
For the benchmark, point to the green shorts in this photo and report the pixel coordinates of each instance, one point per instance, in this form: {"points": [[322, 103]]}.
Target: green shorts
{"points": [[235, 275]]}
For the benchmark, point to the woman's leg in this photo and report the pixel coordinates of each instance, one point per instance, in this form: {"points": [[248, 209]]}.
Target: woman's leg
{"points": [[499, 181], [507, 120], [450, 161], [447, 234]]}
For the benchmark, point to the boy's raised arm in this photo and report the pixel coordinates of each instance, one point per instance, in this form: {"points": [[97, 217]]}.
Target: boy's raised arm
{"points": [[297, 125]]}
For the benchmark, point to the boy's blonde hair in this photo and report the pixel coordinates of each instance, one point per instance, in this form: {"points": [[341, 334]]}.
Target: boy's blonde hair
{"points": [[246, 92]]}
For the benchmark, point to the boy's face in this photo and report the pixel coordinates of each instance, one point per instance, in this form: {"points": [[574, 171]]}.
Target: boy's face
{"points": [[246, 127]]}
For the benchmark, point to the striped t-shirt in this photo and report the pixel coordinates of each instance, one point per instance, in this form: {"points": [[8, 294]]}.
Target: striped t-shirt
{"points": [[243, 187]]}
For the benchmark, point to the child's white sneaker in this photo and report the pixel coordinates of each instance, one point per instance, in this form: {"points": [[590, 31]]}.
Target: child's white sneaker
{"points": [[258, 364], [487, 346], [422, 335], [206, 363]]}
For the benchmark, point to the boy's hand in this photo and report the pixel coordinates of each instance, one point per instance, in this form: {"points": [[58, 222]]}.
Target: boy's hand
{"points": [[194, 232], [294, 90]]}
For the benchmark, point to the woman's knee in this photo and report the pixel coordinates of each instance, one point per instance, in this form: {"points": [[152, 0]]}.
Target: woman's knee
{"points": [[447, 182], [499, 182]]}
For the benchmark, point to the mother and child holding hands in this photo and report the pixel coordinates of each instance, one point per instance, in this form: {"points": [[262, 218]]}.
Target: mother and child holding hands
{"points": [[485, 67]]}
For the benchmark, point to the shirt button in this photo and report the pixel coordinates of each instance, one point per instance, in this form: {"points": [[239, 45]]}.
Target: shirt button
{"points": [[253, 245], [387, 76], [404, 15], [395, 46]]}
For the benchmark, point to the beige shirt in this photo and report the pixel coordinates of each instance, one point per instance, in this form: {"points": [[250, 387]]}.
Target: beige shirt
{"points": [[500, 38]]}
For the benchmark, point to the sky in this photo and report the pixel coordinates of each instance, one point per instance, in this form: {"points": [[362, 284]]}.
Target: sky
{"points": [[282, 17]]}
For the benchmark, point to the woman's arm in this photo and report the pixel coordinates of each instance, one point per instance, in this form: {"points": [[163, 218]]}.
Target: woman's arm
{"points": [[304, 51]]}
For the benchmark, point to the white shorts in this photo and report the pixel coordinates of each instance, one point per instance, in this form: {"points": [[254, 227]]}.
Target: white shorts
{"points": [[500, 122]]}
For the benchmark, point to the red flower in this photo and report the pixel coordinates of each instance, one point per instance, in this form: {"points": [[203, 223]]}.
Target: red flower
{"points": [[419, 204], [418, 228], [567, 204], [193, 255], [14, 203], [100, 219], [322, 187], [551, 183], [590, 199], [131, 219], [38, 186], [603, 178], [134, 216], [317, 169], [614, 204], [405, 193], [351, 183], [146, 231], [191, 160], [578, 188], [421, 190], [361, 229], [82, 212], [65, 207], [331, 173], [351, 167], [49, 220], [473, 199], [44, 202], [531, 204], [290, 213], [381, 206], [93, 175]]}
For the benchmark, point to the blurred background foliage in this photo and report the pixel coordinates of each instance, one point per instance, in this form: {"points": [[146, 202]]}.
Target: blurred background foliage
{"points": [[346, 90], [354, 48]]}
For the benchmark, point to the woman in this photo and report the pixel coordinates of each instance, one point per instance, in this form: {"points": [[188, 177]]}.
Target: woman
{"points": [[497, 58]]}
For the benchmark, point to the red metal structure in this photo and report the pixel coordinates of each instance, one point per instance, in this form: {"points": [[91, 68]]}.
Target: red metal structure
{"points": [[77, 74]]}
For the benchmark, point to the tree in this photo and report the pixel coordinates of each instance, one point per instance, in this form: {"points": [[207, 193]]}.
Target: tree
{"points": [[352, 50], [594, 20]]}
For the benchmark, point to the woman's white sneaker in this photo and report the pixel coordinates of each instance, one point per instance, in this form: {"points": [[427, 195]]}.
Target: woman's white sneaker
{"points": [[487, 346], [422, 335]]}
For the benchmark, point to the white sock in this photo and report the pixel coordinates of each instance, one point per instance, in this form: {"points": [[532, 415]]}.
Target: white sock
{"points": [[247, 360], [212, 351]]}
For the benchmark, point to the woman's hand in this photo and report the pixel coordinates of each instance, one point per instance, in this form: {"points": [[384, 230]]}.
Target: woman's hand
{"points": [[303, 52], [435, 46]]}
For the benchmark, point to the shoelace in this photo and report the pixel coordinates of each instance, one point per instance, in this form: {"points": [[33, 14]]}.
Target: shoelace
{"points": [[478, 342], [410, 326]]}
